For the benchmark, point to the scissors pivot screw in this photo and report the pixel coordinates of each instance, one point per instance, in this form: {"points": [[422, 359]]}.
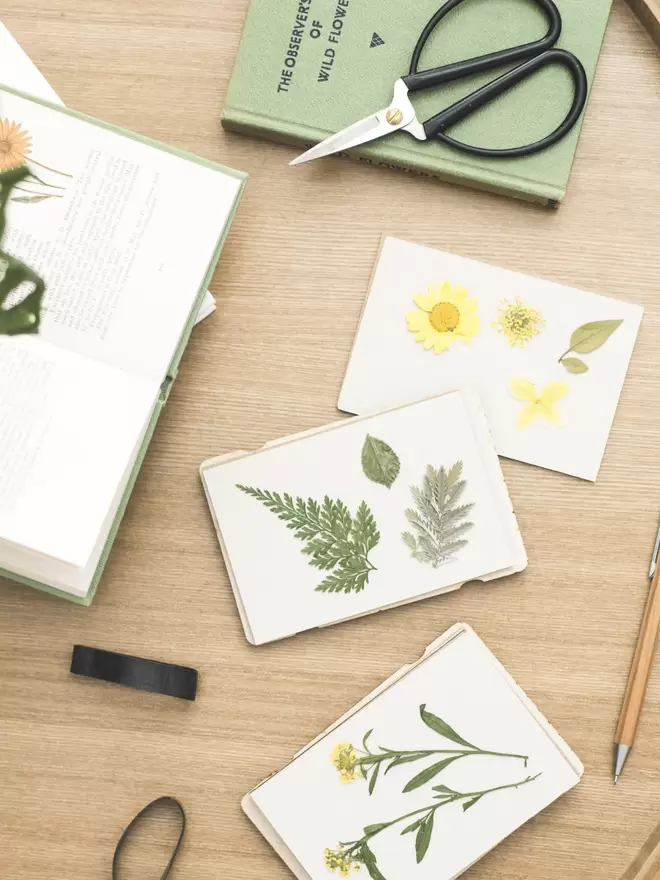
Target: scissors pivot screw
{"points": [[394, 116]]}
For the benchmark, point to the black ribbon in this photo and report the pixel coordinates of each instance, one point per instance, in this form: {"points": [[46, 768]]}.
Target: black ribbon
{"points": [[135, 672], [127, 832]]}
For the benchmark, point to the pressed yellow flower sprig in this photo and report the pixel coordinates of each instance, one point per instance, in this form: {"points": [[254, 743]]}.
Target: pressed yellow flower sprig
{"points": [[444, 315], [518, 322], [352, 762], [351, 856]]}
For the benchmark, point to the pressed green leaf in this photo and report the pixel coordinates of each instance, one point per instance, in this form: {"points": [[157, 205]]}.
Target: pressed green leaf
{"points": [[441, 727], [444, 789], [574, 365], [374, 829], [454, 474], [413, 827], [404, 759], [591, 336], [365, 738], [374, 777], [471, 803], [380, 462], [423, 838], [369, 861], [430, 773], [28, 199]]}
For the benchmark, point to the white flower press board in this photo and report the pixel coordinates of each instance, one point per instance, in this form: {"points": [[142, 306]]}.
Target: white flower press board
{"points": [[307, 808], [278, 591], [388, 366]]}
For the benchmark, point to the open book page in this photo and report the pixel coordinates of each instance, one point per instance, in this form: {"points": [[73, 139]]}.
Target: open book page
{"points": [[507, 765], [121, 232], [390, 556], [68, 429], [18, 71]]}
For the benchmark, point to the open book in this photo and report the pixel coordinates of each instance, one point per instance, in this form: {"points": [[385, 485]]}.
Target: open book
{"points": [[18, 71], [124, 233], [362, 515], [422, 778]]}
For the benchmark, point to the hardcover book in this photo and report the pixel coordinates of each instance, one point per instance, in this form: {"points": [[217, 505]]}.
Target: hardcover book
{"points": [[362, 515], [107, 243], [422, 778], [306, 70]]}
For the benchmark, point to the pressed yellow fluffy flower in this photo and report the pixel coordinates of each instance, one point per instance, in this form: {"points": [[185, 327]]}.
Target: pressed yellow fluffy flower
{"points": [[15, 145], [344, 757], [518, 322], [335, 860], [543, 405], [444, 314]]}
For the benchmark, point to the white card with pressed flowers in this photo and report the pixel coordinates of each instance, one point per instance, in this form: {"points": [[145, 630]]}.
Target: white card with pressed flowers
{"points": [[549, 361], [421, 779], [362, 515]]}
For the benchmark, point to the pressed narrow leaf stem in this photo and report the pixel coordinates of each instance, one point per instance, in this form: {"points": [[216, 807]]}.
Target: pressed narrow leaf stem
{"points": [[47, 168]]}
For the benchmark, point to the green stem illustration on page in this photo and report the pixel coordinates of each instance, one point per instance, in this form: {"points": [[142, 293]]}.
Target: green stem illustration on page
{"points": [[335, 540], [22, 316], [353, 763]]}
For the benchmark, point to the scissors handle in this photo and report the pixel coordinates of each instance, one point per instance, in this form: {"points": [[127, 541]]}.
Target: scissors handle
{"points": [[425, 79], [461, 109]]}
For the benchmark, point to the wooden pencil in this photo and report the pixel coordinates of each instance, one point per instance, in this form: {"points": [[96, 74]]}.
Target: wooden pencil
{"points": [[646, 866], [648, 12]]}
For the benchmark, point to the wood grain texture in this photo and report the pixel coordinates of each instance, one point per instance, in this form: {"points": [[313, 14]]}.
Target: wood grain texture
{"points": [[641, 667], [648, 12], [78, 759], [646, 864]]}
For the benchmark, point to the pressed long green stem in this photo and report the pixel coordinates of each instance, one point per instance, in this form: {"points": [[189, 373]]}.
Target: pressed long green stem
{"points": [[431, 809], [386, 755]]}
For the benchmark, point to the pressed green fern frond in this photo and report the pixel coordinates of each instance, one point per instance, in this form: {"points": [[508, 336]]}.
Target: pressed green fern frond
{"points": [[334, 540], [439, 521]]}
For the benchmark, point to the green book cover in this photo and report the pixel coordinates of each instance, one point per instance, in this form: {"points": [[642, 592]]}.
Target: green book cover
{"points": [[308, 68]]}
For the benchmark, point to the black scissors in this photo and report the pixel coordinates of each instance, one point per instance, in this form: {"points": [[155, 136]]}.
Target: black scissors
{"points": [[400, 114]]}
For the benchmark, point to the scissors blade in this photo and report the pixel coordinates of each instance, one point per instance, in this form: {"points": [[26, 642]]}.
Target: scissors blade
{"points": [[368, 129]]}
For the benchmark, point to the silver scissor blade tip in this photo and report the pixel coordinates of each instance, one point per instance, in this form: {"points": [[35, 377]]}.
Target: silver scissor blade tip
{"points": [[359, 133]]}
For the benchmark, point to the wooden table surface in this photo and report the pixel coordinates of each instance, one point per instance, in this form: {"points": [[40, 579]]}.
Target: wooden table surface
{"points": [[78, 759]]}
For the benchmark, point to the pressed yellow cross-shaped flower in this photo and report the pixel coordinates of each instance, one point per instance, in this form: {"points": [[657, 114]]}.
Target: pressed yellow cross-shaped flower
{"points": [[444, 314], [543, 405]]}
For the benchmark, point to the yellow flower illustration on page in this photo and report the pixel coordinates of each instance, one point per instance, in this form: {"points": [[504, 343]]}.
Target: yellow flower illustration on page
{"points": [[444, 314], [345, 759], [15, 145], [543, 405]]}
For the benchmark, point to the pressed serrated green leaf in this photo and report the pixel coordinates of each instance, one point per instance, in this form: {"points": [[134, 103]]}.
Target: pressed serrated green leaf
{"points": [[574, 365], [380, 462], [589, 337], [423, 838], [334, 540], [471, 803], [441, 727], [430, 773], [454, 474]]}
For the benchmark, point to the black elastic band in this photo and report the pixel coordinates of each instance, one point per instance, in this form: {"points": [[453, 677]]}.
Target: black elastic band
{"points": [[135, 672], [131, 826]]}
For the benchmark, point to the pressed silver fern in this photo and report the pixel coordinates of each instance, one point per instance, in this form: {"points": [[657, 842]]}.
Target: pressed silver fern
{"points": [[439, 521]]}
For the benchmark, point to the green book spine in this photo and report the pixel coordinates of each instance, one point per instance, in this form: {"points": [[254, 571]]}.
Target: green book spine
{"points": [[307, 68]]}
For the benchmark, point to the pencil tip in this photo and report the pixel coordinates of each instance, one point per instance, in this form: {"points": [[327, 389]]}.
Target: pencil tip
{"points": [[616, 778]]}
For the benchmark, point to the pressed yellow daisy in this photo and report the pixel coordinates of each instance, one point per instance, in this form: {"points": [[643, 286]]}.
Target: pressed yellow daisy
{"points": [[444, 314], [15, 145], [543, 405], [518, 322], [335, 860], [345, 758]]}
